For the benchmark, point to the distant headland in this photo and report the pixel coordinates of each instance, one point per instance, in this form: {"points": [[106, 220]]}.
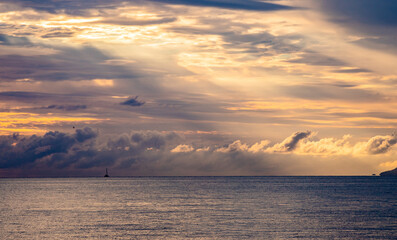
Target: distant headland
{"points": [[391, 173]]}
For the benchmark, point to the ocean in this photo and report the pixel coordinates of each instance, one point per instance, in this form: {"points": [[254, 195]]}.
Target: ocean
{"points": [[199, 208]]}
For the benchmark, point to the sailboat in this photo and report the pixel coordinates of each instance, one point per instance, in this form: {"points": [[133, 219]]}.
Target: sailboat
{"points": [[106, 175]]}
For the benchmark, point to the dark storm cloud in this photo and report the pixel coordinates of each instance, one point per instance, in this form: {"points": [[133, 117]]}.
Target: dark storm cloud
{"points": [[17, 151], [84, 134], [140, 153], [133, 102], [60, 150], [140, 159], [153, 139], [124, 150], [138, 142], [66, 107]]}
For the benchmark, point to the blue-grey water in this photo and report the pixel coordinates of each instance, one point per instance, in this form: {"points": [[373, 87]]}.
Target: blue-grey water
{"points": [[199, 208]]}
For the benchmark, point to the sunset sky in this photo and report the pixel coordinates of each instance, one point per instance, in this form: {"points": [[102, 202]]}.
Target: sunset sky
{"points": [[190, 87]]}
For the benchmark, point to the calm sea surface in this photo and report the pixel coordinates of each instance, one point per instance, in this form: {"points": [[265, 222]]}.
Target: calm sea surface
{"points": [[199, 208]]}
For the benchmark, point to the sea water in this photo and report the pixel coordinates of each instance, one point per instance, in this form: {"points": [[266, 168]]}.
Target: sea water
{"points": [[199, 208]]}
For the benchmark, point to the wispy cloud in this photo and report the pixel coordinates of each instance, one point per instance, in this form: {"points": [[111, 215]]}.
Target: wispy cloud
{"points": [[66, 107], [137, 22], [251, 5]]}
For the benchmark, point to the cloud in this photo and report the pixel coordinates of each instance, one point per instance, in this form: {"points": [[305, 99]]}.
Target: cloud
{"points": [[182, 148], [362, 11], [43, 98], [58, 34], [136, 22], [78, 8], [73, 7], [66, 107], [230, 4], [155, 153], [104, 82], [326, 146], [84, 134], [124, 151], [205, 149], [233, 147], [290, 143], [352, 70], [333, 91], [259, 147], [14, 41], [17, 151], [152, 139], [375, 21], [381, 144], [23, 95], [301, 143], [239, 42], [317, 59], [242, 147], [333, 146], [67, 63], [134, 102]]}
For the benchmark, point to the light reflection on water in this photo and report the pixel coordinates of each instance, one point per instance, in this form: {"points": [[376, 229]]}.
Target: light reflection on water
{"points": [[199, 207]]}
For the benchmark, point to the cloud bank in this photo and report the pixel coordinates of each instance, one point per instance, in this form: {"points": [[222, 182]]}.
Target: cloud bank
{"points": [[164, 153]]}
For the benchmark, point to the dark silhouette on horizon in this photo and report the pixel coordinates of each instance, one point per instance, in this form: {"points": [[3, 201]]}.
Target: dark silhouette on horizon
{"points": [[391, 173], [106, 175]]}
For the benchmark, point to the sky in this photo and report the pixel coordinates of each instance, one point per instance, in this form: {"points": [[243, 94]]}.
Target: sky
{"points": [[197, 88]]}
